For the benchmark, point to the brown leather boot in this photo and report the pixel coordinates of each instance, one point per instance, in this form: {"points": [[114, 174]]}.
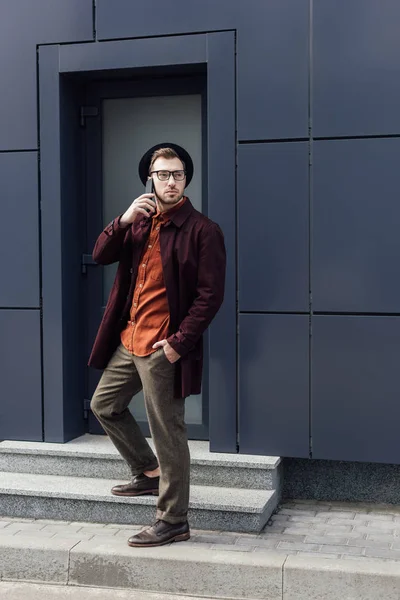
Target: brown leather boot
{"points": [[139, 486], [159, 534]]}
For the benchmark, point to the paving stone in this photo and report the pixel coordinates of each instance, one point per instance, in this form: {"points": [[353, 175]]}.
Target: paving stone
{"points": [[61, 528], [98, 531], [207, 531], [198, 544], [327, 527], [266, 543], [293, 512], [348, 534], [373, 530], [235, 533], [396, 544], [321, 539], [381, 516], [283, 553], [382, 553], [284, 537], [231, 548], [363, 558], [295, 546], [274, 529], [368, 543], [302, 524], [319, 554], [105, 539], [383, 537], [342, 550], [337, 515], [386, 525], [343, 507], [39, 535], [361, 507], [333, 522], [216, 539], [300, 531], [306, 519], [70, 535], [19, 526]]}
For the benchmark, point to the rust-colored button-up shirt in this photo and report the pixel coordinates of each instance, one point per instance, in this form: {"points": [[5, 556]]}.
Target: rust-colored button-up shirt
{"points": [[149, 314]]}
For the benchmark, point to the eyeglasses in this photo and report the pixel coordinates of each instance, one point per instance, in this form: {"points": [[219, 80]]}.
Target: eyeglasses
{"points": [[165, 175]]}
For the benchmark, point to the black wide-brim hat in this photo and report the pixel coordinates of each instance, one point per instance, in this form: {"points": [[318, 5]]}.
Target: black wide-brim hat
{"points": [[145, 161]]}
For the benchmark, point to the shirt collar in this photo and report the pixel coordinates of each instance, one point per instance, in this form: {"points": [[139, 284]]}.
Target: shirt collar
{"points": [[178, 213]]}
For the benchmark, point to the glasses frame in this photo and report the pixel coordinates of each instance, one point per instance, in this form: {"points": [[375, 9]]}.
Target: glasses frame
{"points": [[170, 173]]}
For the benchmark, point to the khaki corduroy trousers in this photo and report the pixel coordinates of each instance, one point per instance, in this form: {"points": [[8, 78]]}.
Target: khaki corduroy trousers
{"points": [[124, 376]]}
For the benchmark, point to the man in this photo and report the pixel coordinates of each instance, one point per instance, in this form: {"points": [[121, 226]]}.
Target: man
{"points": [[168, 288]]}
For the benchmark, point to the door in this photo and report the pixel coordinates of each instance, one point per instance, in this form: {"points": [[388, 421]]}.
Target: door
{"points": [[123, 120]]}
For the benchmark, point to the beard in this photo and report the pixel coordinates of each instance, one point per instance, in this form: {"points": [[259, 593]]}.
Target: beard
{"points": [[168, 199]]}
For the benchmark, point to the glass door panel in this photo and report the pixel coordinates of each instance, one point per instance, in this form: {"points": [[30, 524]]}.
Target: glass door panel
{"points": [[129, 127]]}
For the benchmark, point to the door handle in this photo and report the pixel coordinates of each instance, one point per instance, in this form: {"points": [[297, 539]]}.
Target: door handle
{"points": [[87, 261]]}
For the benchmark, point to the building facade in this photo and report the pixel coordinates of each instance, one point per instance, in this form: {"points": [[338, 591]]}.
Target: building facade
{"points": [[290, 110]]}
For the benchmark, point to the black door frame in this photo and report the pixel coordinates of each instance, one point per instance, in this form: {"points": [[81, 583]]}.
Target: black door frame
{"points": [[155, 84], [60, 68]]}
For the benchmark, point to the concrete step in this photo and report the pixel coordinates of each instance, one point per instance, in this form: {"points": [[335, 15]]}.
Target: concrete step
{"points": [[15, 590], [184, 569], [95, 456], [89, 499]]}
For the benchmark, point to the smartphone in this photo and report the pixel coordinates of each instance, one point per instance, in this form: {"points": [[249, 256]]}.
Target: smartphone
{"points": [[150, 190]]}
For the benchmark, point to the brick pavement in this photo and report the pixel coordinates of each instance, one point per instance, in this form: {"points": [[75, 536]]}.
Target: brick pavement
{"points": [[305, 528]]}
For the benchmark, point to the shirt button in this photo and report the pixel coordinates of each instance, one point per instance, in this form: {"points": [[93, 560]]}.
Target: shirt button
{"points": [[135, 304], [140, 284], [157, 228], [149, 245], [143, 265], [131, 271]]}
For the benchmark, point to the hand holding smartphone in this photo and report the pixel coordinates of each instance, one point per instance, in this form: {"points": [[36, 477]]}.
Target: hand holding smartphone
{"points": [[140, 206]]}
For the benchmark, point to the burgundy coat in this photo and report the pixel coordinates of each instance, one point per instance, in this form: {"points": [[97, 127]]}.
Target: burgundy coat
{"points": [[193, 259]]}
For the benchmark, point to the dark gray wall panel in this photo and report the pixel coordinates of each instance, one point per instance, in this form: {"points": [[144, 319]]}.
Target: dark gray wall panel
{"points": [[19, 242], [273, 227], [123, 19], [22, 26], [272, 69], [274, 385], [20, 375], [356, 62], [221, 208], [272, 38], [355, 388], [356, 240]]}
